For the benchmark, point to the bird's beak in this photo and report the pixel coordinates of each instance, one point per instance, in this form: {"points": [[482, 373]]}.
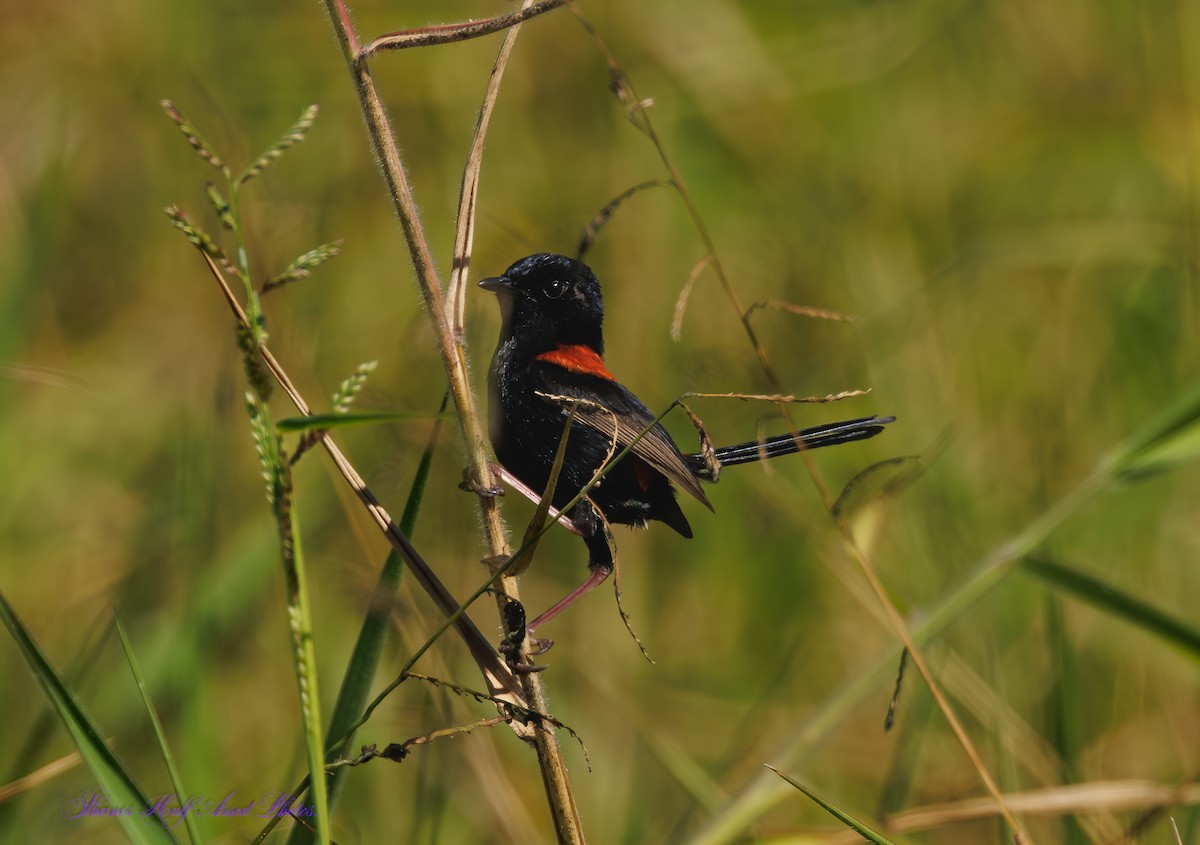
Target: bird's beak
{"points": [[496, 284]]}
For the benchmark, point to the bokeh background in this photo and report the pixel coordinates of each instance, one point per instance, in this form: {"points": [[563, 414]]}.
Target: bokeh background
{"points": [[1004, 195]]}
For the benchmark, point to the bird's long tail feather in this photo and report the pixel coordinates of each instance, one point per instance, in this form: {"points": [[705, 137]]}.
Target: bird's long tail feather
{"points": [[785, 444]]}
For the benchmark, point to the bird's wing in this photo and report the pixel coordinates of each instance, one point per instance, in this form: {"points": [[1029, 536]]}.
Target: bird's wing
{"points": [[608, 407]]}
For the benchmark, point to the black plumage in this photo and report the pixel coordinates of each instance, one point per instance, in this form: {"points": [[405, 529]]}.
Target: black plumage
{"points": [[550, 357]]}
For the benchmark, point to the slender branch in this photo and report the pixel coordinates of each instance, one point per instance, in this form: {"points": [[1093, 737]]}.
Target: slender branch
{"points": [[605, 214], [1068, 799], [383, 144], [554, 777], [685, 293], [464, 236], [428, 36], [802, 310], [778, 398]]}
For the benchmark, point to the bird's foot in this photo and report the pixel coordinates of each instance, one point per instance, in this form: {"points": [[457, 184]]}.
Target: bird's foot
{"points": [[470, 484], [514, 641]]}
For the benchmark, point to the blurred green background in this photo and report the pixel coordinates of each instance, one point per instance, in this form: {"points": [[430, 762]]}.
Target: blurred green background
{"points": [[1005, 195]]}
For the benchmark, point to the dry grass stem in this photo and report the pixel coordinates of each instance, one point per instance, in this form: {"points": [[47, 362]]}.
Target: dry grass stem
{"points": [[554, 776], [464, 234], [605, 214], [802, 310], [1099, 797], [429, 36], [42, 775], [685, 295], [496, 674], [778, 398]]}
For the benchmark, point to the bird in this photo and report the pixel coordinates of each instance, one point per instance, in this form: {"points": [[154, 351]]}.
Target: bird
{"points": [[549, 363]]}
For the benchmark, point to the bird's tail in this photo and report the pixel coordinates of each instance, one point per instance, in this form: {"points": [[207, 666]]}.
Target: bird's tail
{"points": [[785, 444]]}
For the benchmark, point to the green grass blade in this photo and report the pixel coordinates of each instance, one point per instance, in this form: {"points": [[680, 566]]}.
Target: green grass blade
{"points": [[1170, 438], [1065, 702], [314, 422], [841, 815], [987, 575], [300, 621], [113, 780], [416, 493], [360, 672], [1111, 600], [189, 819], [884, 479]]}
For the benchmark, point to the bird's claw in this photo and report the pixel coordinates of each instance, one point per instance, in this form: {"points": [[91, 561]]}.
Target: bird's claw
{"points": [[470, 484], [538, 645], [512, 655]]}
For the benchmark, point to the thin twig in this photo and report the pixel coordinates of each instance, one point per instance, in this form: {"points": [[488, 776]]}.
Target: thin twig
{"points": [[464, 235], [428, 36], [605, 214], [554, 777], [802, 310], [1068, 799], [453, 358], [778, 398], [685, 294], [554, 774]]}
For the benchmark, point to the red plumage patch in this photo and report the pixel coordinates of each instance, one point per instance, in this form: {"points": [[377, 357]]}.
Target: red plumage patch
{"points": [[642, 473], [578, 359]]}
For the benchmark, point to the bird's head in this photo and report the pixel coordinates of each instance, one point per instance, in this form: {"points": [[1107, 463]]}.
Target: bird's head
{"points": [[550, 299]]}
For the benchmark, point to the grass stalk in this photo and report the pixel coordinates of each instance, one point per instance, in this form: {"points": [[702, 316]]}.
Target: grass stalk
{"points": [[452, 352]]}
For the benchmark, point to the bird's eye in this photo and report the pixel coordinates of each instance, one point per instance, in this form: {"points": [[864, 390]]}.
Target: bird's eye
{"points": [[554, 289]]}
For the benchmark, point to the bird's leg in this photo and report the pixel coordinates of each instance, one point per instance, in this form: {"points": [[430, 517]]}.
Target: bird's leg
{"points": [[528, 492], [597, 575], [600, 563]]}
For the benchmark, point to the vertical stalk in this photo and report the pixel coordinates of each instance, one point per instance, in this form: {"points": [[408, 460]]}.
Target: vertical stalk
{"points": [[383, 144]]}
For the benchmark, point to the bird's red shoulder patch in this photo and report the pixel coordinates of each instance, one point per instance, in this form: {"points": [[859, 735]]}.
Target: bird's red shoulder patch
{"points": [[578, 359]]}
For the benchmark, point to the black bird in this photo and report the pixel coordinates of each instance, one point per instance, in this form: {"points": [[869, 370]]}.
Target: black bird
{"points": [[551, 351]]}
